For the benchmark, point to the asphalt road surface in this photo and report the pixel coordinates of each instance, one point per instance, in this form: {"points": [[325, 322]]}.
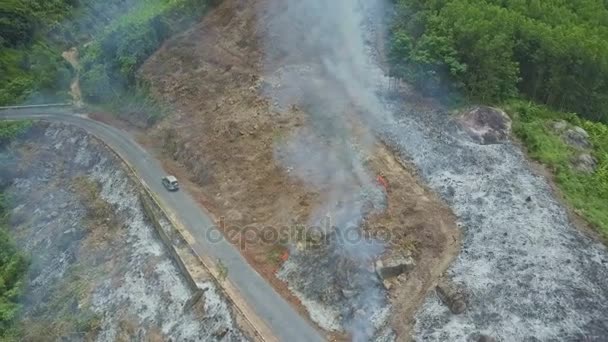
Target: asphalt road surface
{"points": [[284, 322]]}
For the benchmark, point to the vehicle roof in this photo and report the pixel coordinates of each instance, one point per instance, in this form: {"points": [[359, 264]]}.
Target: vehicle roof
{"points": [[171, 178]]}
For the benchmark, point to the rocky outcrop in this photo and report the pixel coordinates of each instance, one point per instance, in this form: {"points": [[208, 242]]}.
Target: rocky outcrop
{"points": [[486, 125], [585, 163], [452, 296], [577, 137], [574, 136], [559, 125], [394, 266]]}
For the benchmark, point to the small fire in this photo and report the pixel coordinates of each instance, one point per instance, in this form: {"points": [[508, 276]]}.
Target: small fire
{"points": [[382, 181], [285, 256]]}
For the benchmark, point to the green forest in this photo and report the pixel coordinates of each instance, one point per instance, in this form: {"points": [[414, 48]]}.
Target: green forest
{"points": [[554, 52], [114, 38]]}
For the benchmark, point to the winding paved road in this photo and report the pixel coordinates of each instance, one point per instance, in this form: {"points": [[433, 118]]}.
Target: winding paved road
{"points": [[284, 323]]}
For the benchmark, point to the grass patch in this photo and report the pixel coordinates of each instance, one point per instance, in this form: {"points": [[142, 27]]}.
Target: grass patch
{"points": [[63, 315], [100, 214], [13, 267], [222, 271], [13, 263], [586, 193], [276, 255], [11, 129]]}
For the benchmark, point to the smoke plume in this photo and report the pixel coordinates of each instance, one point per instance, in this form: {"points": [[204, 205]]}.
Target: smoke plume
{"points": [[319, 57]]}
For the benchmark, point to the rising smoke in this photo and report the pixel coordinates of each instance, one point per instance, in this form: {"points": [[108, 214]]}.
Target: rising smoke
{"points": [[319, 57]]}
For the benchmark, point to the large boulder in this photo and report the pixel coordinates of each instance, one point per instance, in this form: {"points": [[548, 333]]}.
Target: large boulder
{"points": [[585, 163], [394, 266], [486, 125], [574, 136], [452, 296], [577, 137], [559, 125]]}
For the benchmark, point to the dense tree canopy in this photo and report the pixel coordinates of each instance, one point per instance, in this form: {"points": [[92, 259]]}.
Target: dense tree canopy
{"points": [[552, 51], [119, 35], [30, 49]]}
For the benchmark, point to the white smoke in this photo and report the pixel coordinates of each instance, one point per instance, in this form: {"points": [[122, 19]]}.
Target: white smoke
{"points": [[318, 56]]}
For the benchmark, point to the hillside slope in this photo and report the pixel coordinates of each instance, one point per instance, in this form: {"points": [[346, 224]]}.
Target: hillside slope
{"points": [[99, 270], [224, 137]]}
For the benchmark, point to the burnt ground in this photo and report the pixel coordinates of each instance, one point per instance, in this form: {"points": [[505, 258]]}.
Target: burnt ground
{"points": [[98, 270], [222, 141], [528, 272]]}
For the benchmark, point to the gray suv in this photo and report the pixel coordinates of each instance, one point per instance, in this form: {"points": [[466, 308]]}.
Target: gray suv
{"points": [[170, 182]]}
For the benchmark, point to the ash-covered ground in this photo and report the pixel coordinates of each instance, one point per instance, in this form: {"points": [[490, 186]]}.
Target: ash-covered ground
{"points": [[527, 272], [99, 271], [339, 292]]}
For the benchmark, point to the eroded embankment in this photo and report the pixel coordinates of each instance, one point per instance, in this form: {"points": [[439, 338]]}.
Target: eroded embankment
{"points": [[99, 269], [528, 273]]}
